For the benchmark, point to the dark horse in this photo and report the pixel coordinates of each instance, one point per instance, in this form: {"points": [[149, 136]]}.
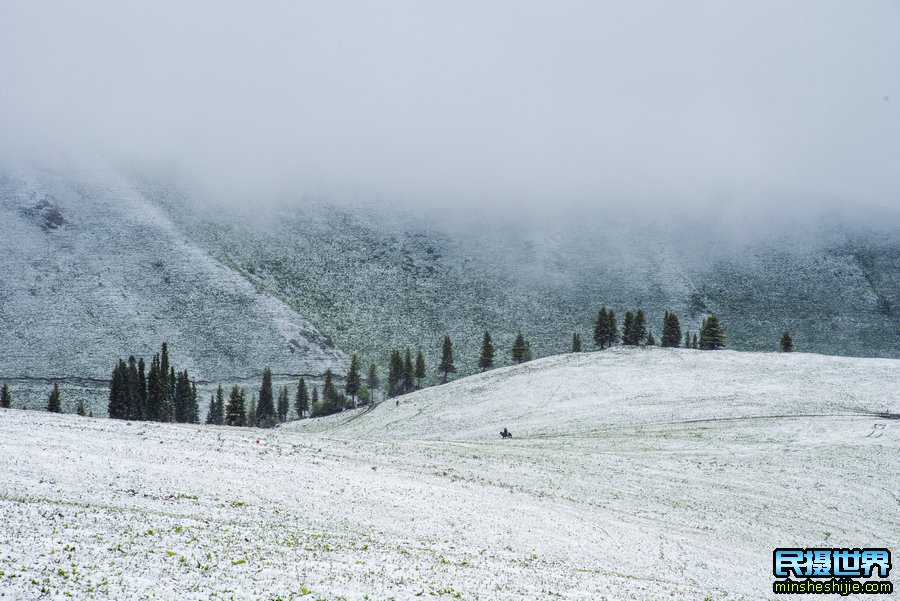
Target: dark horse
{"points": [[504, 433]]}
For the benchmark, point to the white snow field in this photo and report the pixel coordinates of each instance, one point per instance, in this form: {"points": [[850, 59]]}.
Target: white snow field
{"points": [[632, 474]]}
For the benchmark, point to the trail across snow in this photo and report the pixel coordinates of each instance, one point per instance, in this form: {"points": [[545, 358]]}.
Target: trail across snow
{"points": [[633, 474]]}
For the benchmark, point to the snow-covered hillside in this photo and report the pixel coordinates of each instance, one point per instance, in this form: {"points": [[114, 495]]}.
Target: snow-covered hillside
{"points": [[645, 474], [93, 271]]}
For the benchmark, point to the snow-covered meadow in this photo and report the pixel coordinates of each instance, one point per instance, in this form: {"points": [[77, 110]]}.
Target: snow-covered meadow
{"points": [[633, 474]]}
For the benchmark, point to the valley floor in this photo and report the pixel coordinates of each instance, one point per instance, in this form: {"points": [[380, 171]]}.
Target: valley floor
{"points": [[664, 504]]}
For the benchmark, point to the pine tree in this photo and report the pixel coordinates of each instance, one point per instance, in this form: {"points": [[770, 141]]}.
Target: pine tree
{"points": [[687, 339], [353, 380], [181, 399], [671, 332], [409, 372], [628, 329], [5, 397], [283, 405], [330, 398], [787, 343], [420, 369], [612, 328], [193, 406], [265, 407], [301, 401], [141, 409], [252, 418], [54, 404], [521, 349], [395, 374], [132, 390], [79, 409], [712, 337], [211, 411], [601, 328], [694, 344], [315, 409], [486, 360], [651, 341], [219, 415], [234, 412], [118, 399], [372, 379], [576, 343], [446, 366], [154, 390], [166, 384], [639, 327]]}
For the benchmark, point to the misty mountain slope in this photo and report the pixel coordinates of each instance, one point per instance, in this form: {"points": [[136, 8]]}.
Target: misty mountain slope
{"points": [[92, 271], [632, 474], [592, 394], [377, 276]]}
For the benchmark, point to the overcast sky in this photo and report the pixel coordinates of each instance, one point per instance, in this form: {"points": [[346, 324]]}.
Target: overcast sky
{"points": [[485, 101]]}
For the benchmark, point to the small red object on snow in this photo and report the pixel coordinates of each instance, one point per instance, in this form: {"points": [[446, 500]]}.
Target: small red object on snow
{"points": [[257, 441]]}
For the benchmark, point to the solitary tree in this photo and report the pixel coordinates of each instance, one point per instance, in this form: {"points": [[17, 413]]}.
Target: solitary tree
{"points": [[420, 369], [712, 337], [787, 343], [301, 401], [446, 365], [54, 405], [79, 408], [486, 360], [395, 374], [521, 349], [353, 379], [5, 397], [576, 343]]}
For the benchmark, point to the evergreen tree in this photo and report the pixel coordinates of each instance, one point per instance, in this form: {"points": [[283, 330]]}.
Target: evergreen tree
{"points": [[640, 327], [132, 390], [687, 339], [576, 343], [446, 365], [420, 369], [166, 403], [521, 349], [154, 390], [234, 412], [173, 383], [712, 337], [395, 374], [486, 360], [316, 408], [331, 400], [54, 404], [787, 343], [601, 328], [140, 412], [5, 397], [118, 399], [301, 401], [283, 405], [265, 408], [694, 344], [409, 372], [181, 398], [220, 407], [671, 332], [372, 379], [353, 380], [651, 341], [252, 418], [612, 328], [211, 411], [79, 409], [628, 330]]}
